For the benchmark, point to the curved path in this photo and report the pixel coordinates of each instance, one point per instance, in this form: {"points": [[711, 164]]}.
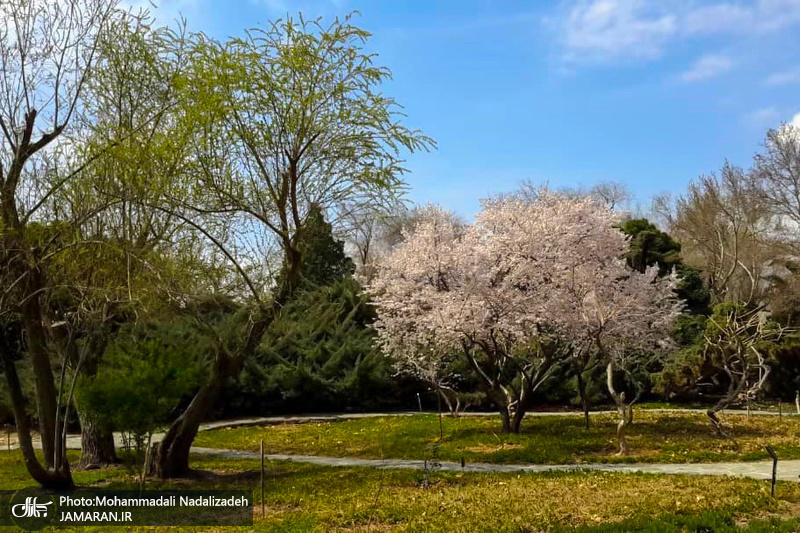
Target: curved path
{"points": [[303, 419], [787, 470]]}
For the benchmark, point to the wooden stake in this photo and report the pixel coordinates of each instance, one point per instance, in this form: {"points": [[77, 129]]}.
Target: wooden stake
{"points": [[780, 410], [262, 479], [797, 401]]}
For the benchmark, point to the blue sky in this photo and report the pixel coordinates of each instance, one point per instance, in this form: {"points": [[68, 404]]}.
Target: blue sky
{"points": [[652, 93]]}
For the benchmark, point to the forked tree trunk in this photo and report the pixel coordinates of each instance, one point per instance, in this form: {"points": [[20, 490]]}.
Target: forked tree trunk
{"points": [[619, 400], [170, 457], [59, 478], [46, 394], [735, 388]]}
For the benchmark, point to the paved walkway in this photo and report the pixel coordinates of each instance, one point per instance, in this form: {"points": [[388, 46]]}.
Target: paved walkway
{"points": [[304, 419], [787, 470]]}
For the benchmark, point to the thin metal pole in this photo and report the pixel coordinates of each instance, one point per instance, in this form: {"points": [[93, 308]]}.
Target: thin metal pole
{"points": [[774, 456], [780, 410], [262, 479], [8, 437]]}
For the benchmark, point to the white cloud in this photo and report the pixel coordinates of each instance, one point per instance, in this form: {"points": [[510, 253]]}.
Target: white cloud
{"points": [[766, 117], [607, 30], [707, 66], [784, 78], [715, 18], [796, 121]]}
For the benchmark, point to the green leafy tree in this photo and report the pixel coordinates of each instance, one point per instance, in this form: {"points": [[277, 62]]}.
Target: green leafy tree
{"points": [[286, 118], [319, 353], [324, 261], [140, 385], [650, 246]]}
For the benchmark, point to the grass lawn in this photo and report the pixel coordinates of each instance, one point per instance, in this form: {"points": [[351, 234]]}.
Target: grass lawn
{"points": [[312, 498], [655, 437]]}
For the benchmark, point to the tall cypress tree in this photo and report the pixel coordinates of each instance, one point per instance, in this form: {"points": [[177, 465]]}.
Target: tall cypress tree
{"points": [[323, 261]]}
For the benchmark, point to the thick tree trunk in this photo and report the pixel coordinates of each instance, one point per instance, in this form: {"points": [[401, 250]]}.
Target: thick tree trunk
{"points": [[506, 420], [57, 479], [170, 457], [516, 420], [46, 394], [97, 445]]}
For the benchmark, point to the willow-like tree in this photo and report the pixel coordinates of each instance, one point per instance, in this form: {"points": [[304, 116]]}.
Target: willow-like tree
{"points": [[47, 50], [288, 117], [132, 258]]}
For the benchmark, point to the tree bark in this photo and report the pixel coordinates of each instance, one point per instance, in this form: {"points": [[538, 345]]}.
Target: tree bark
{"points": [[46, 394], [619, 399], [97, 443], [505, 420], [584, 399], [170, 457], [49, 478]]}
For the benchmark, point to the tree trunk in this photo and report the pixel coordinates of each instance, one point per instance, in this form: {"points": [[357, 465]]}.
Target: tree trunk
{"points": [[619, 399], [622, 426], [516, 420], [506, 420], [97, 444], [734, 389], [584, 399], [170, 457], [46, 394], [57, 479]]}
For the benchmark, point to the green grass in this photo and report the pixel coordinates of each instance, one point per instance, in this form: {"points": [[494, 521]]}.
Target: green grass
{"points": [[302, 497], [655, 437]]}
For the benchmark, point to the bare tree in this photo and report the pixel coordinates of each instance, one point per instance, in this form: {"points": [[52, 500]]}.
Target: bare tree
{"points": [[612, 193], [734, 343], [776, 179], [727, 231]]}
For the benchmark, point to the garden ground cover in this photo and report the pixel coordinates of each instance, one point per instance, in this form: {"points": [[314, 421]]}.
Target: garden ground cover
{"points": [[655, 437], [302, 497]]}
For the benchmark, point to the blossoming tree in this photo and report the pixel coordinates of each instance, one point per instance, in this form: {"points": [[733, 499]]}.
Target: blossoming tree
{"points": [[516, 293]]}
